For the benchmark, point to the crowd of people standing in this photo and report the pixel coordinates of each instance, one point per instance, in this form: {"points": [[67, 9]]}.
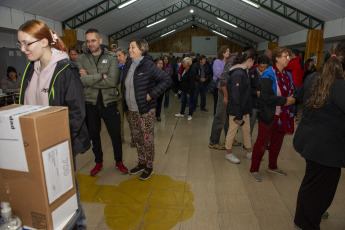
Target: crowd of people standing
{"points": [[104, 85]]}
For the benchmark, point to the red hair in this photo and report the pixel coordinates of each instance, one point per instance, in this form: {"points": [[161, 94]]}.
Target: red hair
{"points": [[38, 29]]}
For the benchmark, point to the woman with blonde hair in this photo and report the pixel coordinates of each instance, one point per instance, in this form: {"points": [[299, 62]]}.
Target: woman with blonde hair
{"points": [[187, 86], [50, 79]]}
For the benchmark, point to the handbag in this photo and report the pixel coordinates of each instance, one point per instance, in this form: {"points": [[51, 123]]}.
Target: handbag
{"points": [[212, 87]]}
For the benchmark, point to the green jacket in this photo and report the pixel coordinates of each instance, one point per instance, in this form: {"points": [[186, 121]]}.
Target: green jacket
{"points": [[107, 64]]}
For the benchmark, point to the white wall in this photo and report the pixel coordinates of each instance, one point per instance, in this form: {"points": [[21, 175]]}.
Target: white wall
{"points": [[13, 19]]}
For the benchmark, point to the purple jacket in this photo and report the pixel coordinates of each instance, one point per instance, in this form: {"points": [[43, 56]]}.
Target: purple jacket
{"points": [[218, 66]]}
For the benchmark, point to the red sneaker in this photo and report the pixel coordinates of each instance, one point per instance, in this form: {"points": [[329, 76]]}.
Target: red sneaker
{"points": [[96, 169], [121, 167]]}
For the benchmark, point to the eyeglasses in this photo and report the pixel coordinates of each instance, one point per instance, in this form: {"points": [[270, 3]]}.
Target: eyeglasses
{"points": [[91, 41], [285, 56], [25, 46]]}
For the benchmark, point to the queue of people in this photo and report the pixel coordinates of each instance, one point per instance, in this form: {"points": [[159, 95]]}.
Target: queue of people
{"points": [[101, 84]]}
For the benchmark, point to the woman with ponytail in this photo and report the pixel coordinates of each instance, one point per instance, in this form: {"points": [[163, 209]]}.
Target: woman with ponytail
{"points": [[320, 138], [50, 79], [239, 105]]}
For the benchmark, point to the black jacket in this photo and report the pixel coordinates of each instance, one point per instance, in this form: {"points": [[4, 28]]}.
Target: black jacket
{"points": [[68, 91], [187, 83], [239, 93], [255, 87], [147, 79], [268, 99], [320, 136], [198, 72]]}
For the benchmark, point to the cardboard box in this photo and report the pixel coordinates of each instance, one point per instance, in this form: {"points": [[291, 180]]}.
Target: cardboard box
{"points": [[36, 167]]}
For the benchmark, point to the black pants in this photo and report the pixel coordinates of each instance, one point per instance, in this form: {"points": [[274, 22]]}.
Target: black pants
{"points": [[315, 194], [159, 105], [111, 118]]}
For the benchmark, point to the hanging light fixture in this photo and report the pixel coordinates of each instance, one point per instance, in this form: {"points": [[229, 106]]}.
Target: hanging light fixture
{"points": [[251, 3]]}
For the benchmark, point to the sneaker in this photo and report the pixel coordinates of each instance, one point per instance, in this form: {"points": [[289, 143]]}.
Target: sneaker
{"points": [[216, 146], [232, 158], [133, 145], [146, 174], [137, 169], [236, 143], [190, 118], [96, 169], [179, 115], [121, 167], [277, 171], [249, 155], [158, 118], [256, 176]]}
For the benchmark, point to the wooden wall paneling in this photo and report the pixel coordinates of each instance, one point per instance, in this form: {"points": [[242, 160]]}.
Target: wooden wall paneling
{"points": [[314, 46], [69, 37], [182, 42]]}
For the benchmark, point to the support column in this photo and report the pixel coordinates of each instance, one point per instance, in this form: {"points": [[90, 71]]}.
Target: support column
{"points": [[272, 45], [314, 47], [69, 37]]}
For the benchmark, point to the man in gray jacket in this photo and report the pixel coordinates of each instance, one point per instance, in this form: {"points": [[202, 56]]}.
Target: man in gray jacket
{"points": [[99, 75]]}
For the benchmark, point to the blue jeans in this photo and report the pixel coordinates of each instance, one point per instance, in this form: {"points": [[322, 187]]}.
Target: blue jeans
{"points": [[295, 107], [201, 87], [184, 100], [166, 102]]}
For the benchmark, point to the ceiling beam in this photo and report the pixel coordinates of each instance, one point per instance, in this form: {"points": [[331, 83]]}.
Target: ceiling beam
{"points": [[291, 13], [201, 5], [231, 35], [236, 20], [210, 25], [92, 13], [152, 18]]}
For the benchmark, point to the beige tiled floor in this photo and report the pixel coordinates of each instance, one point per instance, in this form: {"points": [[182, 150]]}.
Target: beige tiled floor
{"points": [[223, 194]]}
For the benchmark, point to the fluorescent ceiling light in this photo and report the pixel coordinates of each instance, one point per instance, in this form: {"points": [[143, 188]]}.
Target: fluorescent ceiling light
{"points": [[191, 11], [227, 22], [127, 3], [167, 33], [219, 33], [251, 3], [157, 22]]}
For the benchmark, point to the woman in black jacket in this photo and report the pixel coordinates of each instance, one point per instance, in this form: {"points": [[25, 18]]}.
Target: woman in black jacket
{"points": [[143, 82], [239, 105], [50, 79], [320, 138], [187, 86]]}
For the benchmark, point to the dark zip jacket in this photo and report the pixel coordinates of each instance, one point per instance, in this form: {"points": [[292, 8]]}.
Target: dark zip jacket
{"points": [[147, 79], [65, 89], [320, 136], [239, 93], [268, 96]]}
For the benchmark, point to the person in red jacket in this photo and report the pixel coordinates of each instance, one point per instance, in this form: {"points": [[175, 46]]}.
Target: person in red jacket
{"points": [[296, 69]]}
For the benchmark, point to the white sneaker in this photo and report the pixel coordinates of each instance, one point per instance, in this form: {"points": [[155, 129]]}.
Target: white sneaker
{"points": [[190, 118], [179, 115], [249, 155], [232, 158]]}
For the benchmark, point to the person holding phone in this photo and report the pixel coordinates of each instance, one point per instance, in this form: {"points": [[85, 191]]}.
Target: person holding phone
{"points": [[239, 105]]}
